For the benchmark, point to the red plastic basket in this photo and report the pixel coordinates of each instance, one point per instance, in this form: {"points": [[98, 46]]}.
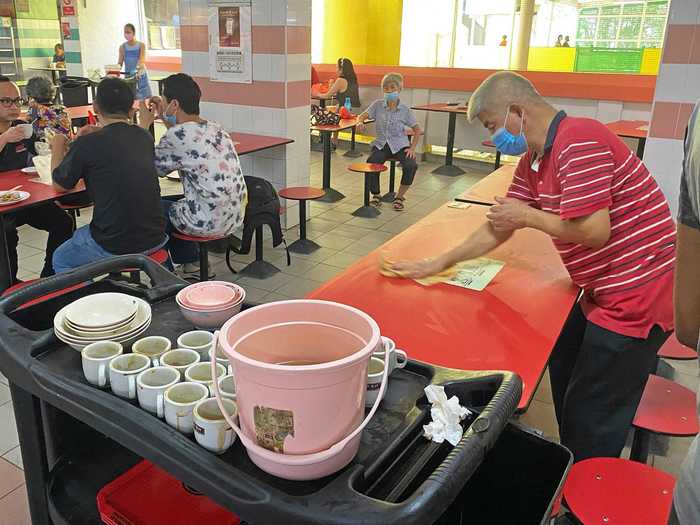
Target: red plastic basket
{"points": [[147, 495]]}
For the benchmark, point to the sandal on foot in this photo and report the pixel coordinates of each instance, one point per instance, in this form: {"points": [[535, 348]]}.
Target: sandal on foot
{"points": [[398, 203], [376, 200]]}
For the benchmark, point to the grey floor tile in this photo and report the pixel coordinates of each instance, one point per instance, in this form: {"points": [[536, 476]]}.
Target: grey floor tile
{"points": [[318, 255], [14, 456], [270, 284], [298, 288], [34, 263], [541, 416], [394, 227], [341, 260], [335, 241], [254, 295], [299, 267], [8, 429], [24, 251], [362, 248], [4, 394], [274, 296], [3, 379], [35, 239], [335, 216], [322, 272], [321, 225], [370, 224]]}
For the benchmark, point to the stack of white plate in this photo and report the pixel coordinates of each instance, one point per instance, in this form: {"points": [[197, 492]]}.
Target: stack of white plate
{"points": [[102, 317]]}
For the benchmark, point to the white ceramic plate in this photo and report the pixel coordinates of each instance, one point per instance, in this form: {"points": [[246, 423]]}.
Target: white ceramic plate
{"points": [[143, 318], [126, 342], [21, 196], [90, 332], [29, 169], [101, 310]]}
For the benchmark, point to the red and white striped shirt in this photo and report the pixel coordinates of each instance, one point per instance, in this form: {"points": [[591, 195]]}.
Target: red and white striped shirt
{"points": [[628, 283]]}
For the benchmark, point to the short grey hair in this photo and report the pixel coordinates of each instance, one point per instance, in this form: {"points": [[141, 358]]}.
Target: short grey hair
{"points": [[40, 89], [393, 78], [499, 91]]}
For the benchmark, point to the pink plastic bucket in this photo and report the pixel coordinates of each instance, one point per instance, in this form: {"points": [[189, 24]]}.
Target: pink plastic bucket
{"points": [[301, 421]]}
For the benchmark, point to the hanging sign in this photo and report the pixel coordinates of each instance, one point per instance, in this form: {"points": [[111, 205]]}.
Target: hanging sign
{"points": [[230, 50]]}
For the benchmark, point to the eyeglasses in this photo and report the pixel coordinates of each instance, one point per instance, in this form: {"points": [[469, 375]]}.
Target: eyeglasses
{"points": [[7, 102]]}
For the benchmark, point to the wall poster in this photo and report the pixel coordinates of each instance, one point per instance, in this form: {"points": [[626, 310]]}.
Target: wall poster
{"points": [[230, 51]]}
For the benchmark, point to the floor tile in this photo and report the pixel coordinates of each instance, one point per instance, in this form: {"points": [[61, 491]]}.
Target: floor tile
{"points": [[24, 251], [541, 416], [274, 296], [34, 263], [14, 508], [322, 272], [341, 260], [8, 429], [335, 241], [270, 284], [298, 288], [299, 267], [14, 456], [4, 394], [254, 295], [3, 379], [11, 477]]}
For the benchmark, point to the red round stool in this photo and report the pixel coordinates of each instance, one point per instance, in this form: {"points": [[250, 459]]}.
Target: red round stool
{"points": [[302, 194], [43, 298], [674, 349], [202, 242], [367, 211], [490, 144], [73, 210], [666, 408], [616, 491]]}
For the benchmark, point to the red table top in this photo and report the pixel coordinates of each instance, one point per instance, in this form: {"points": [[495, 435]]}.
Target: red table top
{"points": [[39, 193], [299, 193], [629, 128], [494, 185], [443, 108], [343, 124], [250, 143], [511, 325]]}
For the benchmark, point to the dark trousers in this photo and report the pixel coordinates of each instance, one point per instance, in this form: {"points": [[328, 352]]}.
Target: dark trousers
{"points": [[598, 377], [673, 517], [380, 156], [47, 217], [181, 251]]}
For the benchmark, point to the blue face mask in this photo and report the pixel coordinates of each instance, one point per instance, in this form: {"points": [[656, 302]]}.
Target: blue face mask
{"points": [[391, 97], [506, 142], [170, 120]]}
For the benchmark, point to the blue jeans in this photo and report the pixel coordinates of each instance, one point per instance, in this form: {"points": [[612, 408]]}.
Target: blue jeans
{"points": [[182, 252], [82, 249]]}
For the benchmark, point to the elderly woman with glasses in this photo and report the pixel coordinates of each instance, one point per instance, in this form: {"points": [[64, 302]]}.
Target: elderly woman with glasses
{"points": [[43, 112]]}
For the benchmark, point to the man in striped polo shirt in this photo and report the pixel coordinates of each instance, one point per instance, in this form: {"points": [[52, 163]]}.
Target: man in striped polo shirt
{"points": [[612, 226]]}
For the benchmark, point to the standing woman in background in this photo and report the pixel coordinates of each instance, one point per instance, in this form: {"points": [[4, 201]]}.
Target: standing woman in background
{"points": [[132, 55]]}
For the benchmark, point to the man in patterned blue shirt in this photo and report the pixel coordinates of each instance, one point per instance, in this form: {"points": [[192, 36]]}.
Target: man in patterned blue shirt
{"points": [[686, 498], [392, 121]]}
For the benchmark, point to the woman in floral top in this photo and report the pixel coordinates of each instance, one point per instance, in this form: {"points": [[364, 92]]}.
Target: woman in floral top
{"points": [[203, 153], [43, 114]]}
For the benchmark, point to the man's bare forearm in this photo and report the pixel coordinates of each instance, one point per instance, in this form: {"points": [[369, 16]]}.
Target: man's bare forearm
{"points": [[479, 243]]}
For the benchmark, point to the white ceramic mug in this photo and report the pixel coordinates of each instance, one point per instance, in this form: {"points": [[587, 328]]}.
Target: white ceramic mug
{"points": [[180, 359], [221, 359], [211, 429], [27, 129], [397, 358], [227, 387], [123, 370], [180, 400], [201, 373], [96, 358], [198, 340], [151, 384], [153, 347], [374, 380]]}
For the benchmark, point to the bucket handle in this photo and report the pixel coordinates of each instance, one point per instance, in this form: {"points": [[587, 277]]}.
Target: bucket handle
{"points": [[297, 459]]}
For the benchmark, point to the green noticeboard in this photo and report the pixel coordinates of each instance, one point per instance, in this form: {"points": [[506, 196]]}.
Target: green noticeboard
{"points": [[597, 59]]}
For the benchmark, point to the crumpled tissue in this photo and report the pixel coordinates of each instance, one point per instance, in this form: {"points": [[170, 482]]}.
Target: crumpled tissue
{"points": [[446, 415]]}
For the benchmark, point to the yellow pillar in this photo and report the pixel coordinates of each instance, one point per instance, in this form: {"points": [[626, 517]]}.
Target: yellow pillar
{"points": [[522, 46], [365, 31]]}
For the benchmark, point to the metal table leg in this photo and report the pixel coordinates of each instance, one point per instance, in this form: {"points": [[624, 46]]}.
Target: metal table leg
{"points": [[352, 152], [302, 244], [331, 194], [5, 268], [366, 211], [448, 168]]}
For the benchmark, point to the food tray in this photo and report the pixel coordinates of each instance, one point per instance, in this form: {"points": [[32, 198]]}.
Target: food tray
{"points": [[397, 476]]}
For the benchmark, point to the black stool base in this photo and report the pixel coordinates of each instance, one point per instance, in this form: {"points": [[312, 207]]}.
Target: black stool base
{"points": [[303, 246], [367, 212], [450, 170], [331, 195], [260, 270], [388, 197], [352, 153]]}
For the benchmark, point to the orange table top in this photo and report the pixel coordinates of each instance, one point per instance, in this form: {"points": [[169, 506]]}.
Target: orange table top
{"points": [[345, 123], [299, 193], [636, 129], [443, 108], [512, 325], [494, 185], [39, 192]]}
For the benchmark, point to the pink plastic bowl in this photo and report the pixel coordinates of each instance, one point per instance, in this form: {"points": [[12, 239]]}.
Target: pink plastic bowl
{"points": [[211, 318], [210, 296]]}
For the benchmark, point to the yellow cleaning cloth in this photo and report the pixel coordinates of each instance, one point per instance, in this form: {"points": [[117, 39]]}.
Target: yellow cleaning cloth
{"points": [[386, 268]]}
